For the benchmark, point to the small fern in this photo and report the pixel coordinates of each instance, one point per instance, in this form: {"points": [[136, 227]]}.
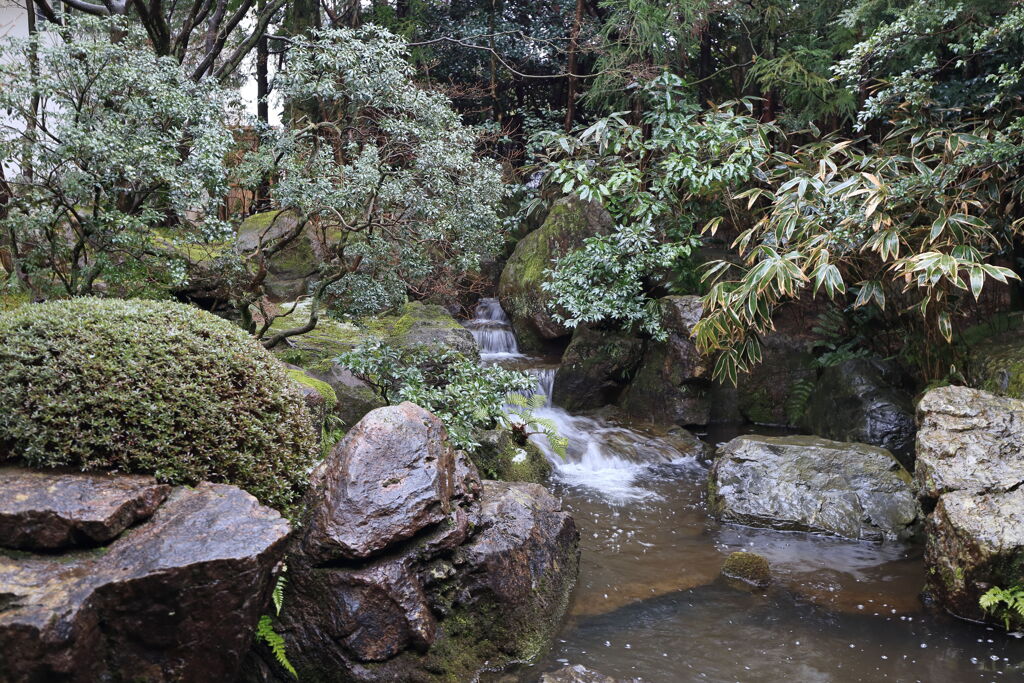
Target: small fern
{"points": [[278, 593], [520, 420], [799, 396], [265, 631], [1004, 603]]}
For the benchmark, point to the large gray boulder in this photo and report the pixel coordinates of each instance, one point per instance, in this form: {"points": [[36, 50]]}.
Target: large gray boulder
{"points": [[673, 379], [407, 558], [806, 483], [975, 542], [864, 400], [568, 224], [970, 440], [176, 598]]}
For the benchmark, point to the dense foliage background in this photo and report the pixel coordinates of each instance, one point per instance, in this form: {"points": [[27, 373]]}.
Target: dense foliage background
{"points": [[862, 151]]}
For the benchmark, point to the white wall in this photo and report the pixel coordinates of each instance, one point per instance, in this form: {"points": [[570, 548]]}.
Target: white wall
{"points": [[13, 18]]}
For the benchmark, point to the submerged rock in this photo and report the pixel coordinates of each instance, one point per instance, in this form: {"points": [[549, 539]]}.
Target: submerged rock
{"points": [[411, 568], [864, 400], [975, 542], [176, 598], [575, 674], [595, 367], [749, 568], [806, 483], [569, 222], [968, 440], [672, 382], [55, 511]]}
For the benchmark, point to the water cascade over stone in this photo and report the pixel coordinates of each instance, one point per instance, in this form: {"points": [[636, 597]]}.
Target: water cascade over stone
{"points": [[600, 455]]}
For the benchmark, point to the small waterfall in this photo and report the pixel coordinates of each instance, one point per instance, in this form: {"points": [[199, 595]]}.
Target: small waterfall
{"points": [[600, 455], [545, 382], [492, 331]]}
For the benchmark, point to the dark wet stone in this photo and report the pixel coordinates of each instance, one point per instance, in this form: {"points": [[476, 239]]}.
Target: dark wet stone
{"points": [[595, 367], [53, 511], [390, 477], [975, 542], [968, 440], [671, 384], [175, 599], [806, 483], [864, 400]]}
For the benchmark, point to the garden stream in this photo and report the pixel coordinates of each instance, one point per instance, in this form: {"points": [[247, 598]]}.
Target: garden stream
{"points": [[650, 604]]}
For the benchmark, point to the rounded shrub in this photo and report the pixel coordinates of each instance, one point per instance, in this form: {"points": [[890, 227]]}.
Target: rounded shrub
{"points": [[151, 387]]}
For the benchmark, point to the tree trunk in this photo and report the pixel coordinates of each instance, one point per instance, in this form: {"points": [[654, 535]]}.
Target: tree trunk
{"points": [[571, 66]]}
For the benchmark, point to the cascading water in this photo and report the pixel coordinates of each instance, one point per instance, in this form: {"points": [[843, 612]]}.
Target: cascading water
{"points": [[600, 456], [492, 331]]}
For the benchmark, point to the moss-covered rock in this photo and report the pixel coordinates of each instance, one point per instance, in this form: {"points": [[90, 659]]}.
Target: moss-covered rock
{"points": [[414, 323], [151, 387], [320, 398], [291, 269], [749, 568], [595, 368], [569, 222], [500, 457], [316, 351]]}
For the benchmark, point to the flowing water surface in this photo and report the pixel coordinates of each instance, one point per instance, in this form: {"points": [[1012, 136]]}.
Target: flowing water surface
{"points": [[650, 604]]}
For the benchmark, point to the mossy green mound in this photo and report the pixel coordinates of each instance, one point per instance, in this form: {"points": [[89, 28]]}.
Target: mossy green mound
{"points": [[500, 457], [151, 387], [750, 568]]}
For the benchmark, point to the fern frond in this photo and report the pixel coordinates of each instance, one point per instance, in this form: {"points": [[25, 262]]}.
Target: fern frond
{"points": [[278, 593], [265, 631]]}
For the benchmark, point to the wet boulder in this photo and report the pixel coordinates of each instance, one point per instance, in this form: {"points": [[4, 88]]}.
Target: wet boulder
{"points": [[411, 568], [968, 439], [42, 510], [568, 224], [975, 542], [806, 483], [176, 597], [864, 400], [671, 384], [595, 367], [388, 479]]}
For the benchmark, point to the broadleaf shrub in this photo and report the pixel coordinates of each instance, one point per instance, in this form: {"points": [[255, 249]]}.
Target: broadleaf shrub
{"points": [[152, 387]]}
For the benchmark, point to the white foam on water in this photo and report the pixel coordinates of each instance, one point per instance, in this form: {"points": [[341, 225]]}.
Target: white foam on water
{"points": [[592, 460]]}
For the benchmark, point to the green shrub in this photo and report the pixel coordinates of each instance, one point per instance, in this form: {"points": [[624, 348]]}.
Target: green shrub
{"points": [[153, 387]]}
